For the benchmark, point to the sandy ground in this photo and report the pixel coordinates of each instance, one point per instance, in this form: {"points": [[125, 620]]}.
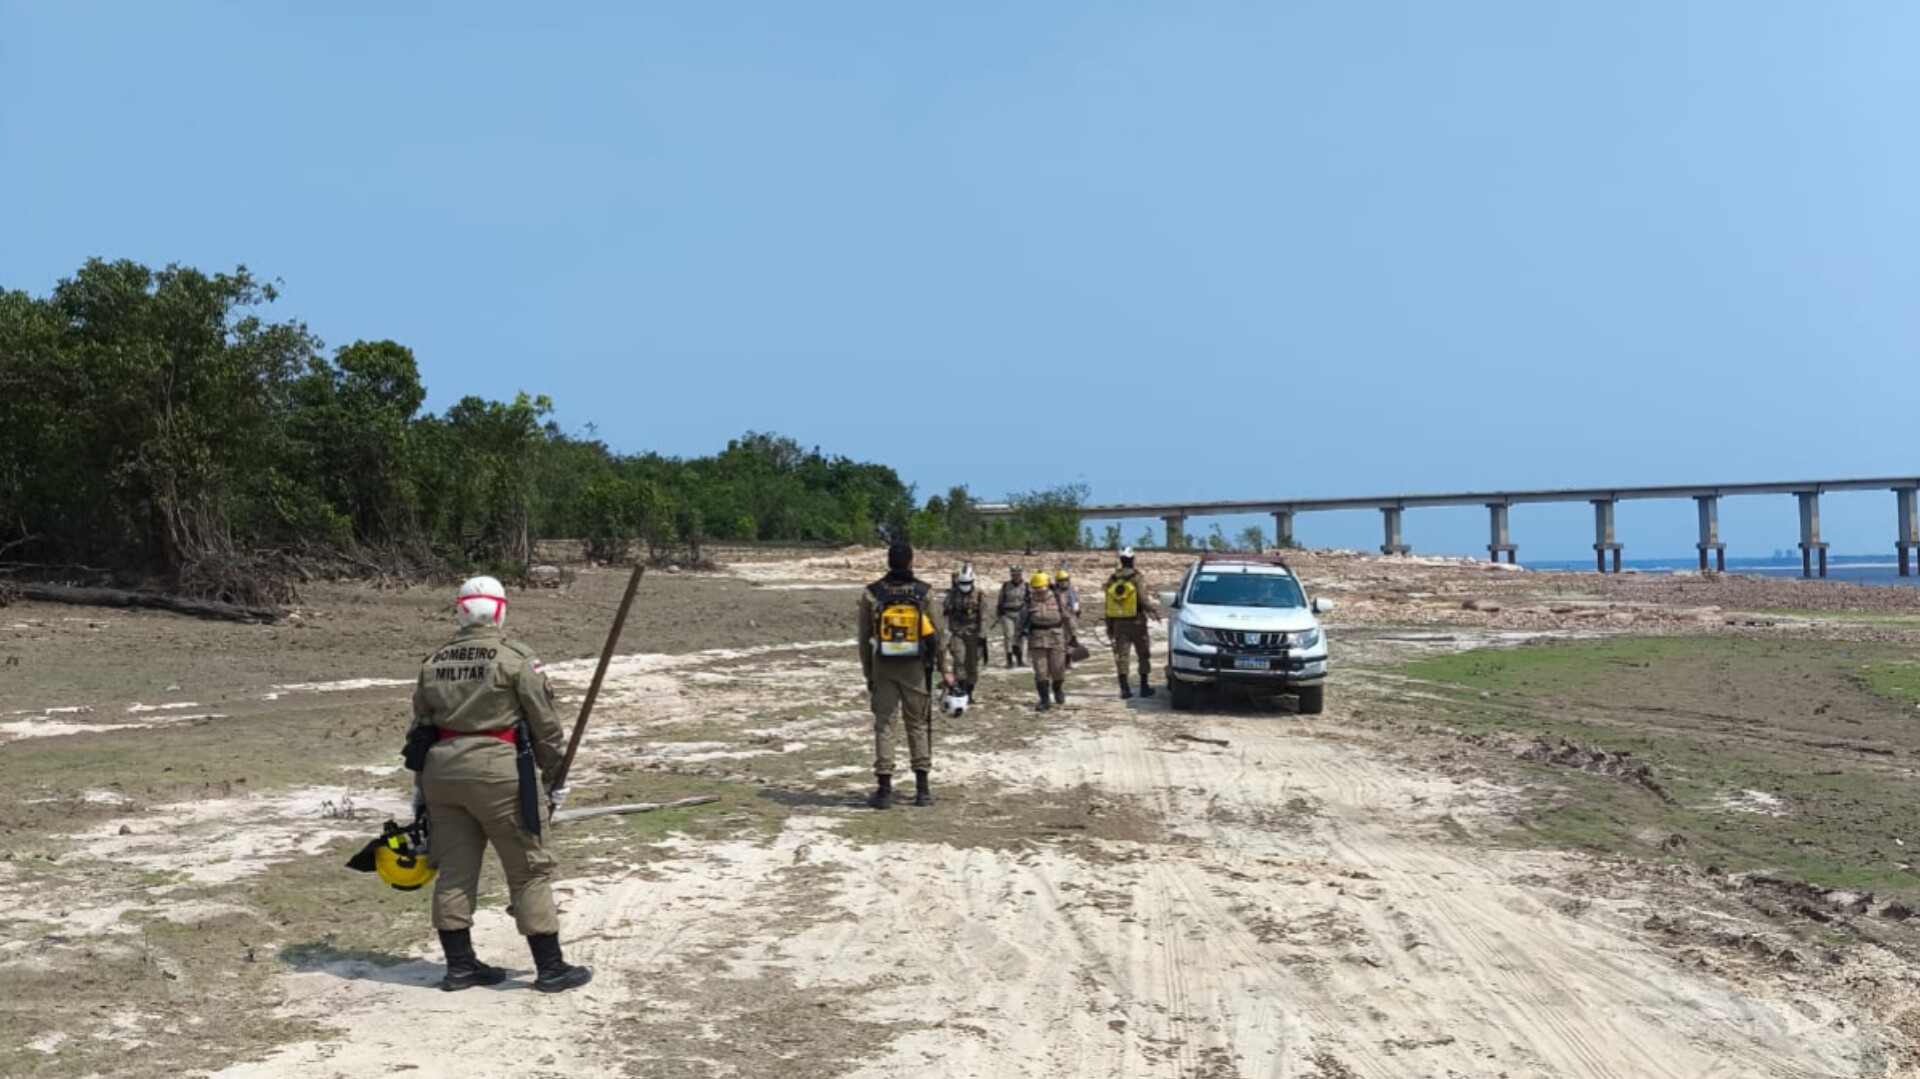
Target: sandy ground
{"points": [[1096, 893], [1350, 940]]}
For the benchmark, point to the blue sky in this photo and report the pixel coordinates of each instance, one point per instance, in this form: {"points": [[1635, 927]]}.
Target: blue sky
{"points": [[1167, 250]]}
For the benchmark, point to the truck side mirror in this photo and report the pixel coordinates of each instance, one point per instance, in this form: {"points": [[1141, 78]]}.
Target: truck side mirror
{"points": [[1322, 605]]}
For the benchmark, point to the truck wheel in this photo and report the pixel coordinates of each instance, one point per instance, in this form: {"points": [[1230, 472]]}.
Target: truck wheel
{"points": [[1313, 700], [1181, 694]]}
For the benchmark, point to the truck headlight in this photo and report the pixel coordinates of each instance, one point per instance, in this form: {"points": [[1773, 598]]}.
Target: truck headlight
{"points": [[1196, 636], [1305, 639]]}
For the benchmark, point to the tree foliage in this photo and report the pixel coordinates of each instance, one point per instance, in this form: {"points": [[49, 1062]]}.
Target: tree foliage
{"points": [[156, 425]]}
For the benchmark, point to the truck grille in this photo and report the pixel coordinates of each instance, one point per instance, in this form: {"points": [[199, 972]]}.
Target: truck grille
{"points": [[1248, 643]]}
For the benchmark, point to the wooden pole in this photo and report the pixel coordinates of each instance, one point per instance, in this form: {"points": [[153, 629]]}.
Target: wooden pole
{"points": [[599, 675], [590, 812]]}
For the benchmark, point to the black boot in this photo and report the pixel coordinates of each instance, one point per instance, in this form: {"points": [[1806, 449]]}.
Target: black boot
{"points": [[1046, 702], [1126, 689], [1010, 661], [464, 969], [922, 794], [556, 975], [1059, 693], [882, 796], [1146, 685]]}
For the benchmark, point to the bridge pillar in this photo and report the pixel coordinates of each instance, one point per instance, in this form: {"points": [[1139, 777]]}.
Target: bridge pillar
{"points": [[1908, 541], [1282, 529], [1603, 540], [1710, 533], [1176, 531], [1810, 544], [1501, 541], [1394, 543]]}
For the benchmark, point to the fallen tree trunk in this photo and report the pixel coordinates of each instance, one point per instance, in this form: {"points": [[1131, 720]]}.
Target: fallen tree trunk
{"points": [[638, 807], [114, 597]]}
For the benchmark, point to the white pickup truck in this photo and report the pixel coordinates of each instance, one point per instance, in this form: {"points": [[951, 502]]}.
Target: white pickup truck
{"points": [[1243, 622]]}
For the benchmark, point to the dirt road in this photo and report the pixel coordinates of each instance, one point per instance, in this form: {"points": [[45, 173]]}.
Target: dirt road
{"points": [[1303, 914], [1096, 893]]}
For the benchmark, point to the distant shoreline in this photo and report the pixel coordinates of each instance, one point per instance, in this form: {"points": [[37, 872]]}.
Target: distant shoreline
{"points": [[1854, 569]]}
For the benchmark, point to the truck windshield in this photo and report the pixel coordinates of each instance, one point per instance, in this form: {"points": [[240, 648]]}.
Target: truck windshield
{"points": [[1246, 590]]}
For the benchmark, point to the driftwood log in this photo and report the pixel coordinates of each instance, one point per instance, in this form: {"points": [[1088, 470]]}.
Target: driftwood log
{"points": [[1200, 738], [114, 597], [591, 812]]}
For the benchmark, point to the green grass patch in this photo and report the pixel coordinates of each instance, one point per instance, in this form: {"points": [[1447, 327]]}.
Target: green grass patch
{"points": [[1897, 680], [1562, 666], [1749, 742]]}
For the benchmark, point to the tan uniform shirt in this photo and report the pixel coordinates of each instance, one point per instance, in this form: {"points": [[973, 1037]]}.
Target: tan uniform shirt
{"points": [[966, 612], [483, 681], [1049, 619], [1013, 598]]}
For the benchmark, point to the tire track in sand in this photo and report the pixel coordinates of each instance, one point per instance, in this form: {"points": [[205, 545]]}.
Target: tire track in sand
{"points": [[1438, 958]]}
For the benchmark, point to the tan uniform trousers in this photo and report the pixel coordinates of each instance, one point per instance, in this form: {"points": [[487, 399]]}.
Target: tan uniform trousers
{"points": [[968, 653], [1047, 650], [901, 685], [1125, 633], [1009, 627], [473, 799]]}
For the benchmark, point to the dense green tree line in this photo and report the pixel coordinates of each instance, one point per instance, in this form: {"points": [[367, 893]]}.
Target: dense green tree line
{"points": [[156, 424]]}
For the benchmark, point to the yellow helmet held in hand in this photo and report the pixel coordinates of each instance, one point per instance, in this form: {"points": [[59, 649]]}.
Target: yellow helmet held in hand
{"points": [[1040, 580], [399, 865], [399, 855]]}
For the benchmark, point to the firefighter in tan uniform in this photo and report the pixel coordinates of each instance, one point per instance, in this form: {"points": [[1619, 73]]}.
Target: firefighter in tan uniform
{"points": [[1069, 598], [484, 712], [965, 610], [900, 647], [1047, 624], [1128, 607], [1007, 608]]}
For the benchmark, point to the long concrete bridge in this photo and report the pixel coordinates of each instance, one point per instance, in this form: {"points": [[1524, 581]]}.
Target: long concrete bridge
{"points": [[1606, 546]]}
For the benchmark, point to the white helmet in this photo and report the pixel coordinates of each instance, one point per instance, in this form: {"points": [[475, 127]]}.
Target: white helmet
{"points": [[955, 702], [1126, 553], [481, 601], [965, 577]]}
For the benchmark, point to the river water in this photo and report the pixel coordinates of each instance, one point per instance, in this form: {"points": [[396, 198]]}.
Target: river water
{"points": [[1855, 569]]}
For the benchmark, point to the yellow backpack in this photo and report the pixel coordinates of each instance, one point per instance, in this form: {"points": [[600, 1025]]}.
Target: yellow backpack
{"points": [[900, 622], [1123, 598]]}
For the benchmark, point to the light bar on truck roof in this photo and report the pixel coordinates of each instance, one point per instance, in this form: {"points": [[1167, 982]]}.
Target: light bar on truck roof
{"points": [[1244, 559]]}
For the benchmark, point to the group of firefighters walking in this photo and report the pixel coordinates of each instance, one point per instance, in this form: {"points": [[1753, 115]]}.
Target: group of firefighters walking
{"points": [[487, 746], [905, 640]]}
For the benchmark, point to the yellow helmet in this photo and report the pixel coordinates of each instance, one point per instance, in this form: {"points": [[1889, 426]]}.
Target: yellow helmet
{"points": [[1040, 580], [400, 864]]}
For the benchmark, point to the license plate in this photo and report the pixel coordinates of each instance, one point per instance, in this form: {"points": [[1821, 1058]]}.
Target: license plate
{"points": [[1252, 663]]}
